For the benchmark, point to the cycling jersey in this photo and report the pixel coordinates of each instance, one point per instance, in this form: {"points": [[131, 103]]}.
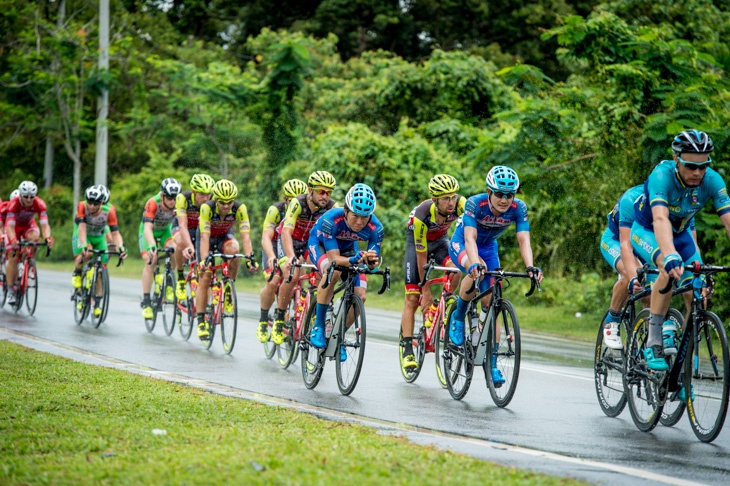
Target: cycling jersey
{"points": [[478, 214], [96, 225], [212, 222], [23, 217], [663, 187], [157, 214], [301, 219], [422, 222], [622, 214], [185, 206], [274, 215]]}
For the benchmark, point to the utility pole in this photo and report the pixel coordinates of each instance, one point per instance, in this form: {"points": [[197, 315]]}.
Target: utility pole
{"points": [[102, 138]]}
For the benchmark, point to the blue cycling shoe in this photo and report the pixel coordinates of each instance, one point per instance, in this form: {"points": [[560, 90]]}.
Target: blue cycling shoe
{"points": [[655, 358], [316, 337], [456, 332], [343, 353], [682, 396], [497, 378]]}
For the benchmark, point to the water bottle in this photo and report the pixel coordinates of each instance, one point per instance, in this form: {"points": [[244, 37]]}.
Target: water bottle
{"points": [[431, 314], [216, 292], [669, 337], [158, 282]]}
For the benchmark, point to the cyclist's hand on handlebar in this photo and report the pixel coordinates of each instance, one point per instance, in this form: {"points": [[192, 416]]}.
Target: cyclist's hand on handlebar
{"points": [[370, 257], [252, 265], [188, 252], [634, 286], [203, 266], [122, 252], [50, 241], [674, 266], [474, 270], [535, 272], [285, 263]]}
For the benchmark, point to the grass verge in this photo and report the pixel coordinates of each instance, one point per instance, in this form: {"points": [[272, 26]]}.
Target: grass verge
{"points": [[63, 422]]}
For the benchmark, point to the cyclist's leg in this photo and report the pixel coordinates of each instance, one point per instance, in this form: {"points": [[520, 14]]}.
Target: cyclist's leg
{"points": [[11, 269], [267, 296], [231, 247], [98, 242], [318, 255], [412, 299]]}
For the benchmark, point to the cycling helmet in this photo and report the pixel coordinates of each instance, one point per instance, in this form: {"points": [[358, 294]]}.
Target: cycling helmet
{"points": [[503, 179], [202, 183], [107, 193], [170, 187], [321, 178], [294, 187], [28, 188], [360, 199], [14, 194], [225, 190], [692, 141], [442, 184], [96, 193]]}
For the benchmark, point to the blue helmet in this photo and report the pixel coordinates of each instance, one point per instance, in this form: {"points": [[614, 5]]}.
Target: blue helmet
{"points": [[360, 199], [502, 178]]}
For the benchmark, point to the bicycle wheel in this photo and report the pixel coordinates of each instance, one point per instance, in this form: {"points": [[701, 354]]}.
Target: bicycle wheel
{"points": [[229, 315], [352, 338], [154, 302], [288, 350], [188, 321], [102, 276], [439, 334], [458, 368], [419, 350], [82, 297], [641, 384], [503, 352], [269, 346], [608, 372], [168, 307], [312, 358], [673, 408], [708, 378], [3, 283]]}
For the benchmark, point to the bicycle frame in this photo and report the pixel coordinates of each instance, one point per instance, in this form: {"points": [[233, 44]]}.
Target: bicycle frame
{"points": [[445, 281]]}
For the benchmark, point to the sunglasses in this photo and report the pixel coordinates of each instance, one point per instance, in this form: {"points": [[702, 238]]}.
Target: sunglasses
{"points": [[225, 203], [504, 195], [169, 198], [93, 203], [28, 197], [323, 192], [695, 165]]}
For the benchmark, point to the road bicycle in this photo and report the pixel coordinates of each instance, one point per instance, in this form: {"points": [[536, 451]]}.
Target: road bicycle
{"points": [[608, 364], [700, 370], [222, 308], [27, 276], [348, 334], [3, 278], [429, 329], [185, 309], [492, 339], [163, 297], [298, 306], [94, 286]]}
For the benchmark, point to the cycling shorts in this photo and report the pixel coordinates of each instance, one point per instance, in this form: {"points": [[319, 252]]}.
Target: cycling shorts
{"points": [[646, 247], [489, 254], [97, 242], [163, 238], [438, 250], [318, 256]]}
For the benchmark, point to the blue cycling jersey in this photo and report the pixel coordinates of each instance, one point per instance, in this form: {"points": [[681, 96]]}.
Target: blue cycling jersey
{"points": [[478, 214], [663, 187], [622, 214], [332, 232]]}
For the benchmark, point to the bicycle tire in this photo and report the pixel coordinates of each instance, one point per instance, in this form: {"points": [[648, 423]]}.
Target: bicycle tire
{"points": [[312, 359], [673, 409], [419, 351], [82, 295], [168, 307], [457, 361], [269, 345], [287, 351], [19, 296], [3, 282], [154, 302], [31, 286], [229, 317], [608, 372], [641, 385], [98, 276], [507, 353], [438, 346], [187, 324], [708, 378], [353, 339]]}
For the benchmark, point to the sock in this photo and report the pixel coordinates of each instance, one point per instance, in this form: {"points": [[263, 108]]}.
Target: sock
{"points": [[146, 299], [280, 314], [180, 275], [264, 315], [321, 315], [656, 322], [613, 316], [460, 311]]}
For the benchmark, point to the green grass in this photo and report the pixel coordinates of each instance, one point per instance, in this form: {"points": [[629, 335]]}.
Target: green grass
{"points": [[63, 422]]}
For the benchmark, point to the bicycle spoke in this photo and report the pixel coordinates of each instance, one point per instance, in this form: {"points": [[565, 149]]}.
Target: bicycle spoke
{"points": [[608, 370], [352, 339], [640, 383], [312, 359], [504, 353], [229, 316]]}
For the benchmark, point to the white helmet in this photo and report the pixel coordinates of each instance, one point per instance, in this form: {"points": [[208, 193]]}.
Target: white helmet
{"points": [[14, 194], [98, 193], [170, 187], [28, 188]]}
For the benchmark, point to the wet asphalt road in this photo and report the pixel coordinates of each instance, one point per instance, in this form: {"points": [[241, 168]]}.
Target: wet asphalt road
{"points": [[553, 424]]}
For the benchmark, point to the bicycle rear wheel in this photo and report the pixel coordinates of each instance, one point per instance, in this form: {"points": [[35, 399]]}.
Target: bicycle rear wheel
{"points": [[352, 338], [438, 348], [229, 315], [167, 306], [188, 321], [312, 358], [458, 367], [31, 286], [708, 378], [102, 276], [608, 372], [640, 383], [3, 282], [269, 346], [673, 409], [82, 297], [505, 352], [287, 351], [154, 302]]}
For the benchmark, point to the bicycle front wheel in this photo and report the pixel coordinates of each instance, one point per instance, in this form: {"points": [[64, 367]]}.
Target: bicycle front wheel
{"points": [[312, 358], [287, 351], [352, 340], [504, 352], [186, 323], [438, 337], [608, 372], [154, 302], [458, 368], [229, 316], [419, 350], [673, 409], [707, 377], [640, 383], [101, 278], [269, 346], [31, 286], [168, 303], [3, 283]]}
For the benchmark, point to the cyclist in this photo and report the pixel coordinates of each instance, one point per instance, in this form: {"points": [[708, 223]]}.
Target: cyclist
{"points": [[185, 225], [156, 226], [335, 239], [93, 217], [269, 238], [3, 209], [215, 233], [473, 246], [426, 238], [20, 224], [301, 215], [673, 193]]}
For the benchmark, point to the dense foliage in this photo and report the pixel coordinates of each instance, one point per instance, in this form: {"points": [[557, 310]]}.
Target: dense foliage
{"points": [[373, 91]]}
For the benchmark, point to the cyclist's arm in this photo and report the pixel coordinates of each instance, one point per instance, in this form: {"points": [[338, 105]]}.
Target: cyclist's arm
{"points": [[287, 229], [663, 233], [419, 238], [150, 210], [204, 229], [627, 252], [181, 208], [725, 218], [244, 229], [470, 244], [269, 230], [523, 240]]}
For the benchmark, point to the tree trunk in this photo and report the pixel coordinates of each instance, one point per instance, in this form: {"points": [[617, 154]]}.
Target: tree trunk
{"points": [[48, 163]]}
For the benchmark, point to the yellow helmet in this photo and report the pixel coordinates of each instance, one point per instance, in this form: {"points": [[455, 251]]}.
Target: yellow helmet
{"points": [[321, 178], [202, 183], [442, 184], [294, 187], [225, 190]]}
